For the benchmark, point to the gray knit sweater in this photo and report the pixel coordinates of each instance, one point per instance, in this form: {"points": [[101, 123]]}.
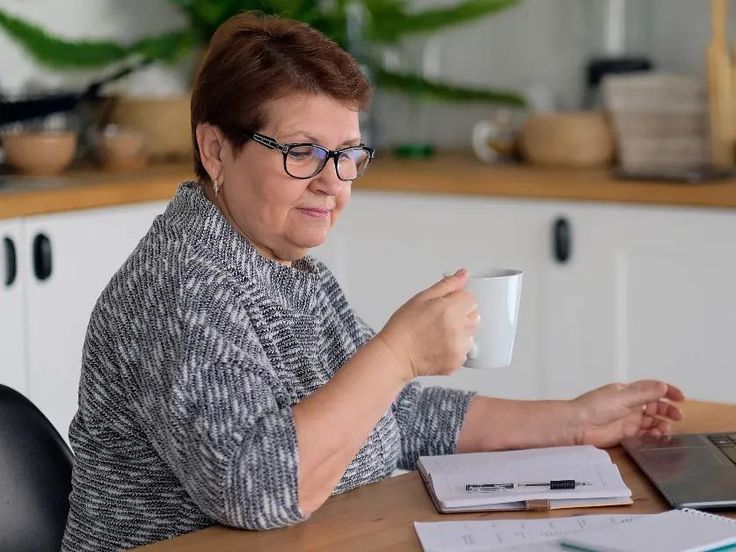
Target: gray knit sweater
{"points": [[195, 353]]}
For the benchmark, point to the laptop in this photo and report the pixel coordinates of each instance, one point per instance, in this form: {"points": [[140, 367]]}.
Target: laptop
{"points": [[696, 470]]}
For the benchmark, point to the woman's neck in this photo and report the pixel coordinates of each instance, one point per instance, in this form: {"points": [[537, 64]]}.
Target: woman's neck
{"points": [[218, 200]]}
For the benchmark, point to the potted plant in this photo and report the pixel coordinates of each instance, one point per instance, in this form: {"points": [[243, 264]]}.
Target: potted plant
{"points": [[361, 26]]}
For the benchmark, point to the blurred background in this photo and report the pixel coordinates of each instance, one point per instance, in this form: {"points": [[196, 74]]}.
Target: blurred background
{"points": [[535, 47]]}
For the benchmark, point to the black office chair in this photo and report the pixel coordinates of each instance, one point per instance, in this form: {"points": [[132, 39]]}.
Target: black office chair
{"points": [[35, 477]]}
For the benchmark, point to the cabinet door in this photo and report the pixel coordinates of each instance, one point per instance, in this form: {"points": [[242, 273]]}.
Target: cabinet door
{"points": [[390, 246], [675, 274], [12, 319], [650, 294], [579, 302], [80, 250]]}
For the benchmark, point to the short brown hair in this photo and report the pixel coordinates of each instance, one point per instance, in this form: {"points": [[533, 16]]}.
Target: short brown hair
{"points": [[254, 59]]}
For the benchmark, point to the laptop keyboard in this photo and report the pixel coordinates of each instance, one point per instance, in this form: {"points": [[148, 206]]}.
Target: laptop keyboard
{"points": [[727, 443]]}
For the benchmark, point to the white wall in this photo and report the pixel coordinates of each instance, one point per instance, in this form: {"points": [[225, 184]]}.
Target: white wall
{"points": [[541, 42]]}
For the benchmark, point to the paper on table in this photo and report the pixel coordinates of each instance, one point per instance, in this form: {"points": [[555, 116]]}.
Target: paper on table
{"points": [[449, 475], [683, 530], [510, 534]]}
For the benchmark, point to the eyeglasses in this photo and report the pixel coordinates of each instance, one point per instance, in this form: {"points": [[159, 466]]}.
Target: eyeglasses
{"points": [[305, 160]]}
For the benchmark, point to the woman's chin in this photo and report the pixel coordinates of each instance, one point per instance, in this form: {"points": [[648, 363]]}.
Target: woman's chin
{"points": [[311, 238], [298, 249]]}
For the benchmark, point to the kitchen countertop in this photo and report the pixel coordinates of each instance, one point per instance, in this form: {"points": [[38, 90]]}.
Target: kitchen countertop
{"points": [[445, 174]]}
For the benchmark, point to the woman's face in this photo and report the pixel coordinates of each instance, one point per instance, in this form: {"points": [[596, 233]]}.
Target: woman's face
{"points": [[283, 216]]}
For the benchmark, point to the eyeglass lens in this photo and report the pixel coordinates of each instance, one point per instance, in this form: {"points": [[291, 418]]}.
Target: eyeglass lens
{"points": [[306, 161]]}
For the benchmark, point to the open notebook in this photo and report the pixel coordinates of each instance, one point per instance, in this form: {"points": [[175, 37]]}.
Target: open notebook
{"points": [[446, 478], [683, 530]]}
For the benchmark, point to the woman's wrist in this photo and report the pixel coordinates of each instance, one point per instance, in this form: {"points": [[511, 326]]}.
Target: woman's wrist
{"points": [[386, 345], [500, 424], [573, 418]]}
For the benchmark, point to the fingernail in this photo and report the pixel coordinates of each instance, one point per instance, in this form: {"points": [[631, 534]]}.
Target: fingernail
{"points": [[460, 272]]}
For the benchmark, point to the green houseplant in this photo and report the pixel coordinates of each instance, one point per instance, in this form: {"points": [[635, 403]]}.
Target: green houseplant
{"points": [[332, 18], [363, 27]]}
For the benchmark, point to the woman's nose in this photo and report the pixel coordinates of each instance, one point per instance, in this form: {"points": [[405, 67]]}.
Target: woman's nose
{"points": [[327, 181]]}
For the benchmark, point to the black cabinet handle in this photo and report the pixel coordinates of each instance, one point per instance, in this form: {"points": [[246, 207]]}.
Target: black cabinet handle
{"points": [[11, 263], [42, 256], [562, 240]]}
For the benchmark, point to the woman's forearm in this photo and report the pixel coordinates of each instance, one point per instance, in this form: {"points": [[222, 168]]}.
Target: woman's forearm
{"points": [[334, 422], [500, 424]]}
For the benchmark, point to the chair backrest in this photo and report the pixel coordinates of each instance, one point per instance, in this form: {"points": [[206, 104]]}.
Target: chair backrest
{"points": [[35, 477]]}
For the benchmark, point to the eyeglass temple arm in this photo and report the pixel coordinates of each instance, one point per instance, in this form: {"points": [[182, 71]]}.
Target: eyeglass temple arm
{"points": [[268, 142]]}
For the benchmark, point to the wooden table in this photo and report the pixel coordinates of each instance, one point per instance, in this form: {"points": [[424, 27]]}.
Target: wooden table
{"points": [[380, 516]]}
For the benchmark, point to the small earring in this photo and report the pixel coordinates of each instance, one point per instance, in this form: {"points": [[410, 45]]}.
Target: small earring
{"points": [[217, 185]]}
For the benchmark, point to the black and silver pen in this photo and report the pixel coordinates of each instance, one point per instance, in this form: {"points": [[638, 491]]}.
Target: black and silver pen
{"points": [[555, 484]]}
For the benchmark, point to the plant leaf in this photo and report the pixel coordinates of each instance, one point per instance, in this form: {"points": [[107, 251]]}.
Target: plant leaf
{"points": [[420, 87], [392, 22], [167, 47], [58, 52], [66, 54], [388, 22]]}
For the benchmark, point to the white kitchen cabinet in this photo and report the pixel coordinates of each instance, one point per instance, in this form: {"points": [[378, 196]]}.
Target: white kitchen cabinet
{"points": [[646, 292], [650, 293], [85, 249], [12, 317], [578, 344], [676, 313]]}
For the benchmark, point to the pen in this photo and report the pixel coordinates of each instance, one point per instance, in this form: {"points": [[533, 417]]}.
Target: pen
{"points": [[555, 484]]}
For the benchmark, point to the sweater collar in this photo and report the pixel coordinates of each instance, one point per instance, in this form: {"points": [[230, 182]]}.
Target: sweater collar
{"points": [[294, 287]]}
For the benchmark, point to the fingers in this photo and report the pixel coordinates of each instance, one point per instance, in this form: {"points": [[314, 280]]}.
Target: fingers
{"points": [[657, 416], [674, 393], [447, 285], [669, 391], [663, 409], [655, 426], [646, 391], [642, 392], [461, 302], [472, 320]]}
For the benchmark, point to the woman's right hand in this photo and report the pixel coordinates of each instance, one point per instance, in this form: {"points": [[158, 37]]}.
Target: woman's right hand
{"points": [[432, 333]]}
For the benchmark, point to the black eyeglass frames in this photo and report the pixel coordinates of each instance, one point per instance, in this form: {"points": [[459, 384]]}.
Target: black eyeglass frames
{"points": [[305, 160]]}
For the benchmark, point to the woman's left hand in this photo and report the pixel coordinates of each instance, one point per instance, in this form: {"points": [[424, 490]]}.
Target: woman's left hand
{"points": [[610, 413]]}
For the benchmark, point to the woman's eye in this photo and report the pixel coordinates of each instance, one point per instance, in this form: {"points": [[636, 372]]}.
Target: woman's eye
{"points": [[300, 154]]}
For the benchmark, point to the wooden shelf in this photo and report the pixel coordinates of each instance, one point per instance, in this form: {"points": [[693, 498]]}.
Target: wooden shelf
{"points": [[445, 174], [87, 189], [459, 174]]}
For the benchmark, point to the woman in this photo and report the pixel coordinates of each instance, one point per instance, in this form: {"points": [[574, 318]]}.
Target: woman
{"points": [[225, 377]]}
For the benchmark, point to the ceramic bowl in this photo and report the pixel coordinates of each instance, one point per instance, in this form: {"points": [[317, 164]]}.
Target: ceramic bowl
{"points": [[571, 139], [119, 149], [162, 122], [39, 153]]}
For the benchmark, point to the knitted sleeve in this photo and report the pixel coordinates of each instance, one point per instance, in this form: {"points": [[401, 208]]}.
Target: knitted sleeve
{"points": [[211, 412], [429, 419]]}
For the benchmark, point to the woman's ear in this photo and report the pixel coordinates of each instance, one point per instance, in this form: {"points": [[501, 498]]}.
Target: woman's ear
{"points": [[211, 141]]}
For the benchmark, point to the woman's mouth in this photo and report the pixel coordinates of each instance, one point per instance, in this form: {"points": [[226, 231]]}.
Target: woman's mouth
{"points": [[316, 213]]}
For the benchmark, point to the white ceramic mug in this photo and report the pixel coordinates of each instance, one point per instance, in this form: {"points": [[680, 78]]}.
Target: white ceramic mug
{"points": [[482, 133], [497, 293]]}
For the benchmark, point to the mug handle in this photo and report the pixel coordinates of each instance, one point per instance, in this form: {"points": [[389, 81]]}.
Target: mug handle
{"points": [[473, 353], [482, 131]]}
